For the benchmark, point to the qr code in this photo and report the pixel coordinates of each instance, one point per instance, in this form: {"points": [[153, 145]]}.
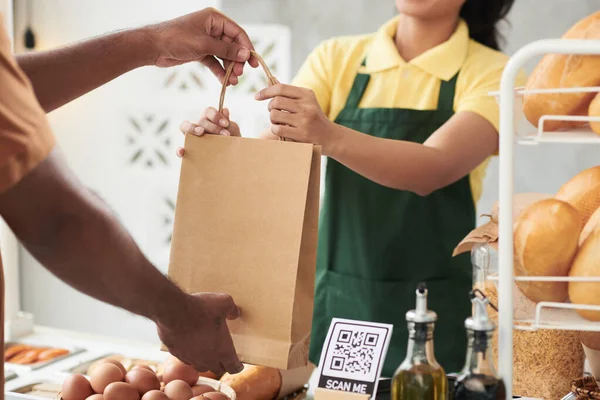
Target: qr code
{"points": [[353, 351]]}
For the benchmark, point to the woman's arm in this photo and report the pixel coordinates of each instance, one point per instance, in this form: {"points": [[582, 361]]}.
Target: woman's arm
{"points": [[62, 75], [450, 153]]}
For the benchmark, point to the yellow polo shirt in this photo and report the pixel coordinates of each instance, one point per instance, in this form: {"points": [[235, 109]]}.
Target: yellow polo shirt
{"points": [[331, 68]]}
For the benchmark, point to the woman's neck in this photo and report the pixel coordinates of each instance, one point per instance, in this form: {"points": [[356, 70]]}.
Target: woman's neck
{"points": [[415, 36]]}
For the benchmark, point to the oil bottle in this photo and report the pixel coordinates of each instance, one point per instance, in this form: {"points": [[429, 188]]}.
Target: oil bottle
{"points": [[478, 379], [420, 377]]}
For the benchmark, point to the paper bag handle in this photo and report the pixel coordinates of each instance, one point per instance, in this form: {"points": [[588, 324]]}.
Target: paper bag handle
{"points": [[270, 79]]}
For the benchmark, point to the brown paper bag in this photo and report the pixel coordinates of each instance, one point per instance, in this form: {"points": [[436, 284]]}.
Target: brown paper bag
{"points": [[246, 224]]}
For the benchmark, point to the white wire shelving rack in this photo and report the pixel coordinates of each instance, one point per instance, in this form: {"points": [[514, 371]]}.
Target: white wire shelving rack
{"points": [[546, 315]]}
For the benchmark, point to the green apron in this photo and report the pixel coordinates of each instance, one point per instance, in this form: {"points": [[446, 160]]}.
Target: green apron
{"points": [[376, 243]]}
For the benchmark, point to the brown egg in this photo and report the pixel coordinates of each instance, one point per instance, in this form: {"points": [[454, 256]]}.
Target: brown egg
{"points": [[106, 360], [178, 370], [95, 397], [178, 390], [76, 387], [155, 395], [141, 366], [121, 391], [172, 360], [201, 389], [142, 380], [215, 396], [103, 375]]}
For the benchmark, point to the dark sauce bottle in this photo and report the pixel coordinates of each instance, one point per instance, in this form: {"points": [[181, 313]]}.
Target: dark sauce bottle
{"points": [[478, 379]]}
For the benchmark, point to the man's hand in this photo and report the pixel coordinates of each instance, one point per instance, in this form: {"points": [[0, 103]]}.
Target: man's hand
{"points": [[200, 36], [198, 334]]}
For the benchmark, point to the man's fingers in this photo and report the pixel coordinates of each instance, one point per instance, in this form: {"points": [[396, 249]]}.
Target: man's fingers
{"points": [[234, 313], [180, 152], [239, 36], [214, 66], [217, 369], [233, 367], [225, 51]]}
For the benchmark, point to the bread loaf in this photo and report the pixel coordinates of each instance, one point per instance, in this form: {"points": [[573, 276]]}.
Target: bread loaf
{"points": [[582, 192], [594, 111], [254, 383], [564, 71], [545, 240], [587, 264], [520, 202]]}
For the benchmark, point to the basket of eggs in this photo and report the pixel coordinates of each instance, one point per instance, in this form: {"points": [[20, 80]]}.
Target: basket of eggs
{"points": [[109, 380]]}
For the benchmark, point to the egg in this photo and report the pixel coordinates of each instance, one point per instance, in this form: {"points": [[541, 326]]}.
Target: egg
{"points": [[76, 387], [121, 391], [95, 397], [104, 361], [155, 395], [178, 390], [180, 371], [142, 380], [215, 396], [141, 366], [201, 389], [103, 375]]}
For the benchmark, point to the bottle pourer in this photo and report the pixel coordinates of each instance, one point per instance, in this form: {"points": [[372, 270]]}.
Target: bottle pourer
{"points": [[480, 320], [421, 315]]}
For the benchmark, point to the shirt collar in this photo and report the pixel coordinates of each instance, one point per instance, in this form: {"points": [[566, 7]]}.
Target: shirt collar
{"points": [[442, 61]]}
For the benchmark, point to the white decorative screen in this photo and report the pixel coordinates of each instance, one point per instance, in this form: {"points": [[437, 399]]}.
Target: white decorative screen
{"points": [[121, 140]]}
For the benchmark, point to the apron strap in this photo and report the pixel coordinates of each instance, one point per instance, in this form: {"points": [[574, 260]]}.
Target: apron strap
{"points": [[446, 96], [361, 81]]}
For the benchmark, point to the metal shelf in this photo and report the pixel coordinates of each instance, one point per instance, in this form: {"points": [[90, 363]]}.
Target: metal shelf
{"points": [[512, 128]]}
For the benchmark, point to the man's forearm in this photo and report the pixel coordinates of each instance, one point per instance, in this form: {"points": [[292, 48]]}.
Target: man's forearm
{"points": [[62, 75], [77, 238]]}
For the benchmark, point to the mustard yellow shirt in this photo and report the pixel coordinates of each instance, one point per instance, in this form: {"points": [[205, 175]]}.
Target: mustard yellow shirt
{"points": [[331, 68]]}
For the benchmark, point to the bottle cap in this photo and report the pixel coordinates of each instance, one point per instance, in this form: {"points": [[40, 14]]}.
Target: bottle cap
{"points": [[480, 320], [421, 314]]}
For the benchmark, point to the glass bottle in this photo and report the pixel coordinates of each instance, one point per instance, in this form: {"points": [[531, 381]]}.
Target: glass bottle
{"points": [[420, 377], [478, 379]]}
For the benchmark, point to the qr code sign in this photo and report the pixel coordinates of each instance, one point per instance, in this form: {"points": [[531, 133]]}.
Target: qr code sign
{"points": [[354, 351]]}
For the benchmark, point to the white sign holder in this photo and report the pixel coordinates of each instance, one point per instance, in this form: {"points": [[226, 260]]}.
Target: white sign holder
{"points": [[352, 359]]}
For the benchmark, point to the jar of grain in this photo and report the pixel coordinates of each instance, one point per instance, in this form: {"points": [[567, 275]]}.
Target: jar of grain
{"points": [[545, 362]]}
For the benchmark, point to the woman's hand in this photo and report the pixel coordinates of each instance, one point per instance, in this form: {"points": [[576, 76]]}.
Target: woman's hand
{"points": [[212, 122], [296, 115]]}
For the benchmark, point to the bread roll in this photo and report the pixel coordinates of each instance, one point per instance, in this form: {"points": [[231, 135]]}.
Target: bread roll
{"points": [[582, 192], [254, 383], [545, 240], [520, 202], [590, 226], [564, 71], [587, 264], [594, 111]]}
